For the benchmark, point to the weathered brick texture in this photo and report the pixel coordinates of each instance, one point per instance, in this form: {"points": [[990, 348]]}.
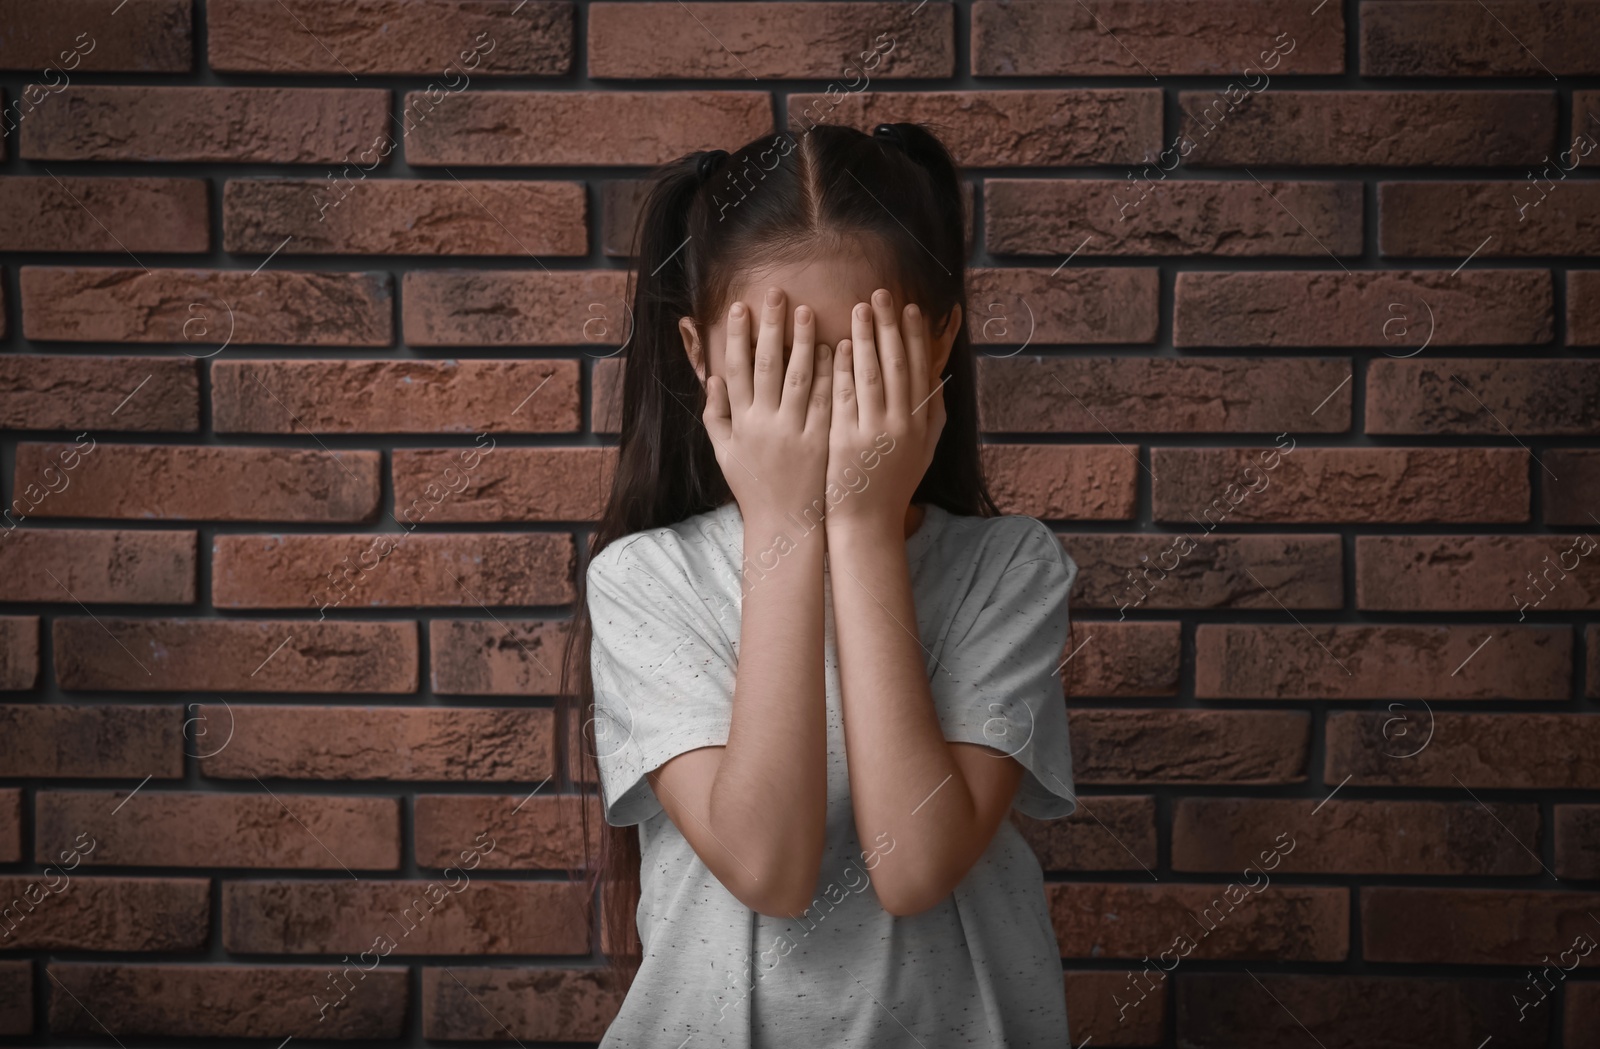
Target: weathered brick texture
{"points": [[1287, 322]]}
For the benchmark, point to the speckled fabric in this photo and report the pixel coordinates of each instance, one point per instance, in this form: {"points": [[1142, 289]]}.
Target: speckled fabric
{"points": [[980, 969]]}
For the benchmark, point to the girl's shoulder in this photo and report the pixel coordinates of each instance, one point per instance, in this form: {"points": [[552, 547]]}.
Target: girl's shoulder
{"points": [[683, 550], [996, 545]]}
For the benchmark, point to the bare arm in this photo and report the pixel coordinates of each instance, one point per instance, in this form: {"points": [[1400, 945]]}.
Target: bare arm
{"points": [[755, 810], [939, 801]]}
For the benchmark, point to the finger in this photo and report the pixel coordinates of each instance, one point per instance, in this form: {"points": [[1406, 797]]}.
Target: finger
{"points": [[797, 380], [819, 414], [736, 357], [868, 376], [914, 325], [768, 380], [844, 387], [891, 354], [718, 415]]}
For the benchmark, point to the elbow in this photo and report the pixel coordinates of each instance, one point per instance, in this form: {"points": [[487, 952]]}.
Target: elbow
{"points": [[908, 899], [783, 890]]}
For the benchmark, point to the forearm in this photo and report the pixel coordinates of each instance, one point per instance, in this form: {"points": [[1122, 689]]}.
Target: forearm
{"points": [[768, 801], [904, 780]]}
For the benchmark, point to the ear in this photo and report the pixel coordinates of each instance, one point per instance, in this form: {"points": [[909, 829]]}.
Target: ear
{"points": [[943, 341], [691, 346]]}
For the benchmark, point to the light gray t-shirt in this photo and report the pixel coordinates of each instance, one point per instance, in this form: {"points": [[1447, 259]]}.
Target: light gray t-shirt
{"points": [[982, 968]]}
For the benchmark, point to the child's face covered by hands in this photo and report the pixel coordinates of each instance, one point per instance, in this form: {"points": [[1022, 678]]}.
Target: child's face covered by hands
{"points": [[814, 374], [830, 286]]}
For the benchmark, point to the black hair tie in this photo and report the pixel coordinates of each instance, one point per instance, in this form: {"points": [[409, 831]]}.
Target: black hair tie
{"points": [[889, 133], [710, 160]]}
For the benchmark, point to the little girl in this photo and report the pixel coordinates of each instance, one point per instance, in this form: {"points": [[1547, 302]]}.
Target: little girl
{"points": [[818, 666]]}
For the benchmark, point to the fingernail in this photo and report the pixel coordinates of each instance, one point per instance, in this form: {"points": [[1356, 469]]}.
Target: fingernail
{"points": [[802, 314], [912, 311], [774, 296], [737, 311], [863, 310]]}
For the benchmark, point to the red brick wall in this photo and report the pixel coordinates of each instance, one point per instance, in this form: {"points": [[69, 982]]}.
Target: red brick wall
{"points": [[277, 612]]}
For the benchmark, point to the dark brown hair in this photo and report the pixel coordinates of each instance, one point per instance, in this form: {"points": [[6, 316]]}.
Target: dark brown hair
{"points": [[781, 198]]}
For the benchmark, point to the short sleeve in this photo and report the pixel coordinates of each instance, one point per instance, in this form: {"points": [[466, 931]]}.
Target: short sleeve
{"points": [[663, 672], [997, 683]]}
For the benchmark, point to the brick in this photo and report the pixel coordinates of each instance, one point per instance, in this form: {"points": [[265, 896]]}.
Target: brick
{"points": [[1583, 1012], [405, 569], [1236, 1011], [741, 41], [1378, 128], [16, 997], [1470, 926], [1213, 218], [516, 308], [432, 486], [105, 36], [229, 1001], [415, 396], [1495, 751], [235, 655], [10, 827], [1312, 485], [1577, 831], [1006, 129], [19, 652], [1408, 38], [154, 828], [1291, 923], [621, 200], [1108, 658], [66, 214], [1123, 746], [200, 483], [1318, 308], [102, 913], [1342, 836], [605, 396], [420, 916], [510, 832], [1079, 394], [555, 128], [449, 40], [499, 744], [1097, 1013], [1583, 307], [1112, 38], [1327, 661], [1107, 833], [477, 657], [1478, 396], [1183, 571], [536, 1004], [404, 217], [105, 393], [1453, 219], [1567, 499], [1023, 307], [202, 309], [206, 125], [1458, 573], [101, 566], [91, 742], [1063, 482]]}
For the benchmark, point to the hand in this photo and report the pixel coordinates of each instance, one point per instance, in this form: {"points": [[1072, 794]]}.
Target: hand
{"points": [[887, 416], [768, 424]]}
